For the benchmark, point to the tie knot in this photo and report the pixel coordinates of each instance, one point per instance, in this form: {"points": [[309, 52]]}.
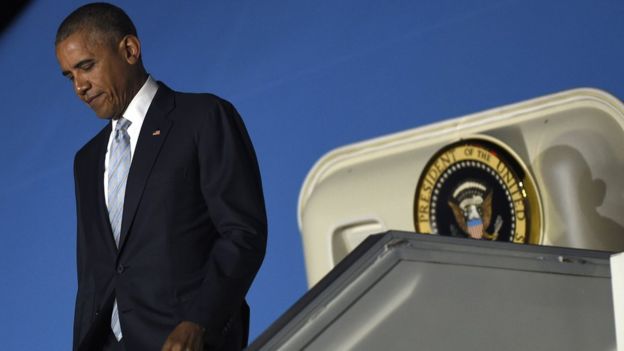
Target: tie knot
{"points": [[122, 124]]}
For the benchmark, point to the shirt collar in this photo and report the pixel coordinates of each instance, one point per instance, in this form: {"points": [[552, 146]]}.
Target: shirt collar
{"points": [[137, 109]]}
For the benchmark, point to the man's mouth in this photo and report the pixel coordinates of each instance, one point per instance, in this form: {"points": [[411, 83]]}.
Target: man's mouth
{"points": [[92, 99]]}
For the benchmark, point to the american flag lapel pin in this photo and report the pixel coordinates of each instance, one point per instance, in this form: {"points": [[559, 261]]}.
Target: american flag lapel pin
{"points": [[156, 132]]}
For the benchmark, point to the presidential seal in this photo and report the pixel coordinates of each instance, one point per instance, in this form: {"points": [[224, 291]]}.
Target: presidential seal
{"points": [[477, 189]]}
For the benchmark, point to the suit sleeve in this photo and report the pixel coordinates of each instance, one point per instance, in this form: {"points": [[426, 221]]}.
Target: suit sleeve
{"points": [[231, 186]]}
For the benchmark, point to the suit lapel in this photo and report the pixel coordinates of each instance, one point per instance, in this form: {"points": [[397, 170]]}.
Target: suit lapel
{"points": [[103, 209], [146, 152]]}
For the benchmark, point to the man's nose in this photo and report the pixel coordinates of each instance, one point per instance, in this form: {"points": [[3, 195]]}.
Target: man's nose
{"points": [[81, 86]]}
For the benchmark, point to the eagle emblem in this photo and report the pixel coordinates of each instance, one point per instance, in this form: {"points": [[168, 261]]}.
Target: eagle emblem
{"points": [[471, 205]]}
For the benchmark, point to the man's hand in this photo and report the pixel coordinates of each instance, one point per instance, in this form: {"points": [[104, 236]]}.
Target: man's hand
{"points": [[187, 336]]}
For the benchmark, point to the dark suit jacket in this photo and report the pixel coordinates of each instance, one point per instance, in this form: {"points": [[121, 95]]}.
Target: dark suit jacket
{"points": [[193, 232]]}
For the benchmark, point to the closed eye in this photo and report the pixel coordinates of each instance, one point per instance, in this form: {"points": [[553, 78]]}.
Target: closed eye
{"points": [[85, 65]]}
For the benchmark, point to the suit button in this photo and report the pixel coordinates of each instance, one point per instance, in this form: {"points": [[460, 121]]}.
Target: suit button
{"points": [[120, 268]]}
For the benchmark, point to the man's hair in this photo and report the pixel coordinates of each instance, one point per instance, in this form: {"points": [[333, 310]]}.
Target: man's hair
{"points": [[99, 17]]}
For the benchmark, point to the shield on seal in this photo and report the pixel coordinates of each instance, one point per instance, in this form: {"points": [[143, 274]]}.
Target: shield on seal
{"points": [[475, 228]]}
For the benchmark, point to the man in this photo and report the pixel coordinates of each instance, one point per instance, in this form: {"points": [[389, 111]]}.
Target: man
{"points": [[171, 218]]}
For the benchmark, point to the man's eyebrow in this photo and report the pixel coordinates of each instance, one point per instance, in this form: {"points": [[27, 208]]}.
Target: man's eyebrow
{"points": [[80, 64]]}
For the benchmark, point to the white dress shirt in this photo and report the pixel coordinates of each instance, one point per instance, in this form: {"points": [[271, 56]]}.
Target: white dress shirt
{"points": [[135, 113]]}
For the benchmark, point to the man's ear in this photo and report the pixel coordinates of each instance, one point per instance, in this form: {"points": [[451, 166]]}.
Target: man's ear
{"points": [[130, 48]]}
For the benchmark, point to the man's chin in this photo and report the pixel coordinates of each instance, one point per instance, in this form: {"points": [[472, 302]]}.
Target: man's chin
{"points": [[103, 114]]}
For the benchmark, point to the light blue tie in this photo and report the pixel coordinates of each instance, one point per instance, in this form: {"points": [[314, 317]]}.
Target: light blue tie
{"points": [[118, 167]]}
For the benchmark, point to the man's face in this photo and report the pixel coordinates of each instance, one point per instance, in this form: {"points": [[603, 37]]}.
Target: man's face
{"points": [[99, 71]]}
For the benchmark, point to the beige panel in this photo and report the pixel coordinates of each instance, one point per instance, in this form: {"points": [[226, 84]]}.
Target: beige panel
{"points": [[617, 283]]}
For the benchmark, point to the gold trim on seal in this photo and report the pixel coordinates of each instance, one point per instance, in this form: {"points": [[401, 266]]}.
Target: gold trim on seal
{"points": [[491, 155]]}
